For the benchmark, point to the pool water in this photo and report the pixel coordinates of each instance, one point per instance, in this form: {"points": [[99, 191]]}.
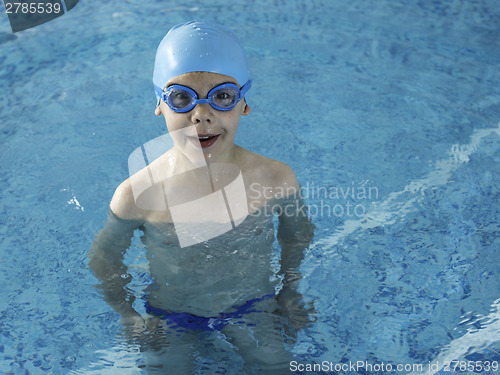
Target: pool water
{"points": [[388, 112]]}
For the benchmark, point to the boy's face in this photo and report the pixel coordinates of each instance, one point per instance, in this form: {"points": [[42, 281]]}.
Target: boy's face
{"points": [[215, 129]]}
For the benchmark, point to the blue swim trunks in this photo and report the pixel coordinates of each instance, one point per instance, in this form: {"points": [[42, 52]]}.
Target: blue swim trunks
{"points": [[190, 321]]}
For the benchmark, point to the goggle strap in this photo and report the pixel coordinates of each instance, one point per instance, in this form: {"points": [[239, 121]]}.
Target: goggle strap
{"points": [[244, 89], [159, 91]]}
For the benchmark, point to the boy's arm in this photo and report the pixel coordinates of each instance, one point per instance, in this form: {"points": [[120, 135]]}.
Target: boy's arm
{"points": [[106, 258], [295, 233]]}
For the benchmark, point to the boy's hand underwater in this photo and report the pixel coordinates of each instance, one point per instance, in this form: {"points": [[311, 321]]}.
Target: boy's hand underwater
{"points": [[136, 323]]}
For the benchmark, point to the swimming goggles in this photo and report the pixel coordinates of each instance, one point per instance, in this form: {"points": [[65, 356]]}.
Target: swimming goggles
{"points": [[223, 97]]}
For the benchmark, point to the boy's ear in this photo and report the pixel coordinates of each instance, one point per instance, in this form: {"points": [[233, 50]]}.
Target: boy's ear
{"points": [[158, 111], [246, 110]]}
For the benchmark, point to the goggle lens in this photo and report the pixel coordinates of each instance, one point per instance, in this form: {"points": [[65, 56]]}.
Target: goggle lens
{"points": [[226, 97], [179, 98]]}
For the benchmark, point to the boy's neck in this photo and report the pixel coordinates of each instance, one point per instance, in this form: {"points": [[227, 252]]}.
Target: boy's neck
{"points": [[228, 155], [182, 162]]}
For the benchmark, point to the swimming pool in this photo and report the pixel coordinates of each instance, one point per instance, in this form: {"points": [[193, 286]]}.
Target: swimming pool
{"points": [[389, 113]]}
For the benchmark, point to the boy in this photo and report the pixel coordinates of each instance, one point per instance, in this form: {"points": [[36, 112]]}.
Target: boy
{"points": [[209, 240]]}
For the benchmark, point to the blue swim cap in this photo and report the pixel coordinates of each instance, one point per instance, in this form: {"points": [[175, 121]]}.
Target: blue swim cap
{"points": [[199, 46]]}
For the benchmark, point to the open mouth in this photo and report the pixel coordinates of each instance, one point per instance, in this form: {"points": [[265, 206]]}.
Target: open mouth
{"points": [[204, 140]]}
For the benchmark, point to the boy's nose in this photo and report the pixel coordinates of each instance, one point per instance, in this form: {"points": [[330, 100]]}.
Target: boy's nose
{"points": [[202, 113]]}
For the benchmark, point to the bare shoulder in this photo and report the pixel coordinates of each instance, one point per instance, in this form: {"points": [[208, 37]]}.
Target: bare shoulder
{"points": [[123, 203], [141, 196], [269, 173], [281, 175]]}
